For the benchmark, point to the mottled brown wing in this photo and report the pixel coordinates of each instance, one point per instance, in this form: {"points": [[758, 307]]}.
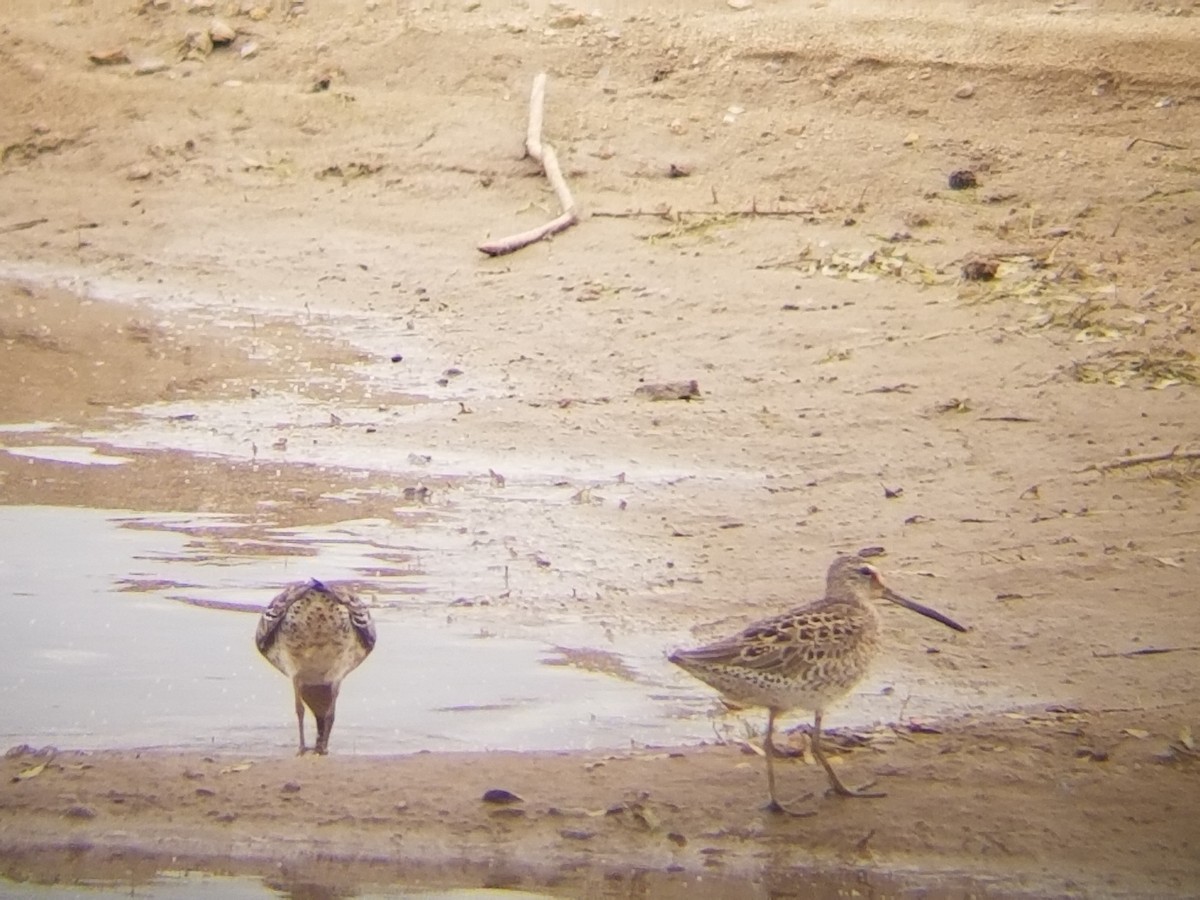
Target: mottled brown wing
{"points": [[360, 615], [772, 643], [272, 617]]}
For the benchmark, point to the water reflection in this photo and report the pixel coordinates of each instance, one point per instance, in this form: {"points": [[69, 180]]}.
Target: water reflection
{"points": [[97, 650], [93, 878]]}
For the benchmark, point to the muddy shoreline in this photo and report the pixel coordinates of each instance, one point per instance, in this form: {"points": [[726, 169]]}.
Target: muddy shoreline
{"points": [[640, 811]]}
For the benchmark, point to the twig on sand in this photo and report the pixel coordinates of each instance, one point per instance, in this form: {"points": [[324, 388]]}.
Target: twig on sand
{"points": [[545, 155], [674, 214], [1142, 140], [1126, 461], [22, 226], [1145, 651]]}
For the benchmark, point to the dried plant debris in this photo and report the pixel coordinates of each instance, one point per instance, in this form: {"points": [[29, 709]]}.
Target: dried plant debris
{"points": [[350, 170], [684, 225], [671, 390], [30, 149], [31, 772], [1027, 275], [1156, 368], [501, 796], [1081, 299], [886, 261], [953, 405], [1180, 461], [835, 354]]}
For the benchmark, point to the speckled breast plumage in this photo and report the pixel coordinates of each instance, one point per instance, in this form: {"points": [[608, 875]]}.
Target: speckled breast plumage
{"points": [[316, 633]]}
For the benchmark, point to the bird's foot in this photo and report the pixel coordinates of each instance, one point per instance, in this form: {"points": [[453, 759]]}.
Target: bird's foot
{"points": [[774, 806], [781, 752], [302, 751], [862, 793]]}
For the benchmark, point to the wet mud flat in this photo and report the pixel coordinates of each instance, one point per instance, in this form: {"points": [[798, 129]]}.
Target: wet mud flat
{"points": [[603, 823], [144, 640], [626, 782]]}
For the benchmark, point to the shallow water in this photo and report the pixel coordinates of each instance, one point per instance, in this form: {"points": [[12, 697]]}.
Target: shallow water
{"points": [[113, 640], [465, 881], [129, 629], [125, 630], [180, 885], [69, 453]]}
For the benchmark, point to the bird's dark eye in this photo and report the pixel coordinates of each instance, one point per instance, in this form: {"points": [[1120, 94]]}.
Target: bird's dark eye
{"points": [[866, 571]]}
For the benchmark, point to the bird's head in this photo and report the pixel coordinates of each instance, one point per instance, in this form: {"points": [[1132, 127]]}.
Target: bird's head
{"points": [[856, 576]]}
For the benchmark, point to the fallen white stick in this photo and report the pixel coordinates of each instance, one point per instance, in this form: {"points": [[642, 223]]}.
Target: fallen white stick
{"points": [[545, 155]]}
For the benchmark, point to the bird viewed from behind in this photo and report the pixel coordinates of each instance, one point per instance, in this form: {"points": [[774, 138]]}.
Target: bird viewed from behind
{"points": [[316, 634], [805, 658]]}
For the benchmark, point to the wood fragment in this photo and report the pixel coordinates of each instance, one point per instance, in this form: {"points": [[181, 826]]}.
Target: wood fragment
{"points": [[673, 214], [1146, 651], [902, 388], [1141, 140], [111, 56], [22, 226], [1126, 462], [545, 155], [671, 390]]}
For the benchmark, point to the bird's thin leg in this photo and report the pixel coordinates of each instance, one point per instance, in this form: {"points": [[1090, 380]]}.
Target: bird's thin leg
{"points": [[300, 718], [773, 805], [324, 726], [836, 782], [769, 752]]}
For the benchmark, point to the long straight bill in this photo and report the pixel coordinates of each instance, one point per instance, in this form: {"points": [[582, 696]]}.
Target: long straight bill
{"points": [[923, 610]]}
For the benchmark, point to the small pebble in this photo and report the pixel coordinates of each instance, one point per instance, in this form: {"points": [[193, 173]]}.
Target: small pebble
{"points": [[198, 43], [508, 812], [150, 66], [500, 795], [221, 32], [114, 56], [961, 179], [576, 834], [980, 269], [965, 91], [569, 19]]}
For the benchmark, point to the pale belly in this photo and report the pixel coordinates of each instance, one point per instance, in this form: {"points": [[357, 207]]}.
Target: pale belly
{"points": [[316, 644], [815, 689]]}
